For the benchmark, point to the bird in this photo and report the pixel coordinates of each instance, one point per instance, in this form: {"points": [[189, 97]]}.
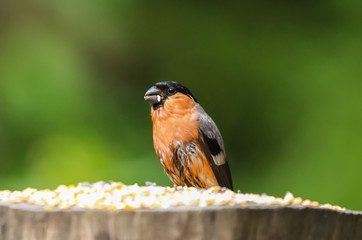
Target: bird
{"points": [[187, 141]]}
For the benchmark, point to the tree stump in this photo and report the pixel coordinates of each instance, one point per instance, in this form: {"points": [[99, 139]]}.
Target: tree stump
{"points": [[254, 221]]}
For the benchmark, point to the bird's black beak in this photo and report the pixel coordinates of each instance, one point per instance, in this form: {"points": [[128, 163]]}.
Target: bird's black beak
{"points": [[153, 95]]}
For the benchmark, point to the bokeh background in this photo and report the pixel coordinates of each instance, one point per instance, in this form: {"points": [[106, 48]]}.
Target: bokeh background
{"points": [[283, 81]]}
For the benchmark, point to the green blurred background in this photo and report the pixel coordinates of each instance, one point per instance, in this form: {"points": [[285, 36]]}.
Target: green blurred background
{"points": [[281, 79]]}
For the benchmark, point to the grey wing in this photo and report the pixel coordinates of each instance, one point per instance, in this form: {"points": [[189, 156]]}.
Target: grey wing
{"points": [[213, 146]]}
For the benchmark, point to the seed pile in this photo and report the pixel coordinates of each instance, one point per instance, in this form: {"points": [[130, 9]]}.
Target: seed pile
{"points": [[115, 195]]}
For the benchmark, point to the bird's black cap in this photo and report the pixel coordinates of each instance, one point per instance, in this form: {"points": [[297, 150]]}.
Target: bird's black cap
{"points": [[157, 94]]}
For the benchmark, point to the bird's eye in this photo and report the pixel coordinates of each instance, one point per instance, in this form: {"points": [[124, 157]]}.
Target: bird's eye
{"points": [[171, 90]]}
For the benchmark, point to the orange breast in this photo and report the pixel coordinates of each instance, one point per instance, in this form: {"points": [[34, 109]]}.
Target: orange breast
{"points": [[175, 125]]}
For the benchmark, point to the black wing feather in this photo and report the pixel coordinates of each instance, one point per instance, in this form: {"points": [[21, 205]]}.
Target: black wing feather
{"points": [[212, 145]]}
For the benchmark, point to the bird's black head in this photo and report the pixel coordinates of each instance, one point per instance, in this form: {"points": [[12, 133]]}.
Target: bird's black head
{"points": [[158, 94]]}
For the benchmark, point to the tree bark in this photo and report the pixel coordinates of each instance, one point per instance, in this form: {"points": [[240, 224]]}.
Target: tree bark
{"points": [[257, 222]]}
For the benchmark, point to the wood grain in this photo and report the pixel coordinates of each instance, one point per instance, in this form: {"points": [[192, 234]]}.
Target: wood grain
{"points": [[253, 222]]}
